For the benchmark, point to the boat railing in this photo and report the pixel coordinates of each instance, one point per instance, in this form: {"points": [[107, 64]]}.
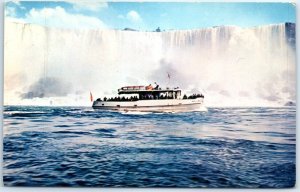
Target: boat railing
{"points": [[130, 88], [147, 97]]}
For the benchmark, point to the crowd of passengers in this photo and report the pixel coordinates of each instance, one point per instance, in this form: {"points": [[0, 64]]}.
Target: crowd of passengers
{"points": [[148, 97], [132, 98], [194, 96], [152, 97]]}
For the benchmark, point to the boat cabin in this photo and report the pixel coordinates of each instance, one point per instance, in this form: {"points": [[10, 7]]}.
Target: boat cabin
{"points": [[146, 93]]}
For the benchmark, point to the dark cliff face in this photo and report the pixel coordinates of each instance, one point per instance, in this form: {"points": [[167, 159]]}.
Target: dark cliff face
{"points": [[290, 30]]}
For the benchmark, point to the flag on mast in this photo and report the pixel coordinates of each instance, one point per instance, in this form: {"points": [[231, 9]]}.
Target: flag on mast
{"points": [[169, 77], [91, 96]]}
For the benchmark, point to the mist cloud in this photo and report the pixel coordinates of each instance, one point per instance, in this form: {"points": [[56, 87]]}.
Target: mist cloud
{"points": [[177, 78], [236, 66], [47, 87]]}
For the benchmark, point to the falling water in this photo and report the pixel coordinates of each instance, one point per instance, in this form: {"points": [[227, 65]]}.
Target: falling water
{"points": [[232, 66]]}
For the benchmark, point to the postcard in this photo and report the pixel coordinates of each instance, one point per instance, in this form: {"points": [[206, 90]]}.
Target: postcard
{"points": [[149, 94]]}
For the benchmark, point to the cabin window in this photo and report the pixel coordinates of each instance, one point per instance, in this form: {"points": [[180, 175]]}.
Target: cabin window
{"points": [[118, 106], [102, 104]]}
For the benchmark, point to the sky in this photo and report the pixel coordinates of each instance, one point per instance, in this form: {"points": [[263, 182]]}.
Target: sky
{"points": [[148, 16]]}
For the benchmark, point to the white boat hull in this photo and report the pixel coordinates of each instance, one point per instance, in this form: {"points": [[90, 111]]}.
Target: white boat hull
{"points": [[165, 105]]}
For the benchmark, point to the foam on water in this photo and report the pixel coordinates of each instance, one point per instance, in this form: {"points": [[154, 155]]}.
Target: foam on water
{"points": [[135, 112]]}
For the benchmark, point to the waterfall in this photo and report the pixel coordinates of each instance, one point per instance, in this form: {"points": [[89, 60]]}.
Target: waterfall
{"points": [[232, 66]]}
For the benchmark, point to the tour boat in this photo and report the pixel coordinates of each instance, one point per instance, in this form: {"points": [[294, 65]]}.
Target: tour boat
{"points": [[148, 99]]}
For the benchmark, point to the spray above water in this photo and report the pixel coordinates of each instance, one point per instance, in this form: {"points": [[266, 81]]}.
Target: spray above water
{"points": [[47, 87], [231, 66]]}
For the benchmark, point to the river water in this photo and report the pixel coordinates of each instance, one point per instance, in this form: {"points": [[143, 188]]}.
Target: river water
{"points": [[220, 147]]}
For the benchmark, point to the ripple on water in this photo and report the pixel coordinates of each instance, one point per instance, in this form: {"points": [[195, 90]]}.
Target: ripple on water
{"points": [[224, 147]]}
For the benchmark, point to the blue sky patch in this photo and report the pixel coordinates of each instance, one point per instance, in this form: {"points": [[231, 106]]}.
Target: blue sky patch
{"points": [[149, 15]]}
